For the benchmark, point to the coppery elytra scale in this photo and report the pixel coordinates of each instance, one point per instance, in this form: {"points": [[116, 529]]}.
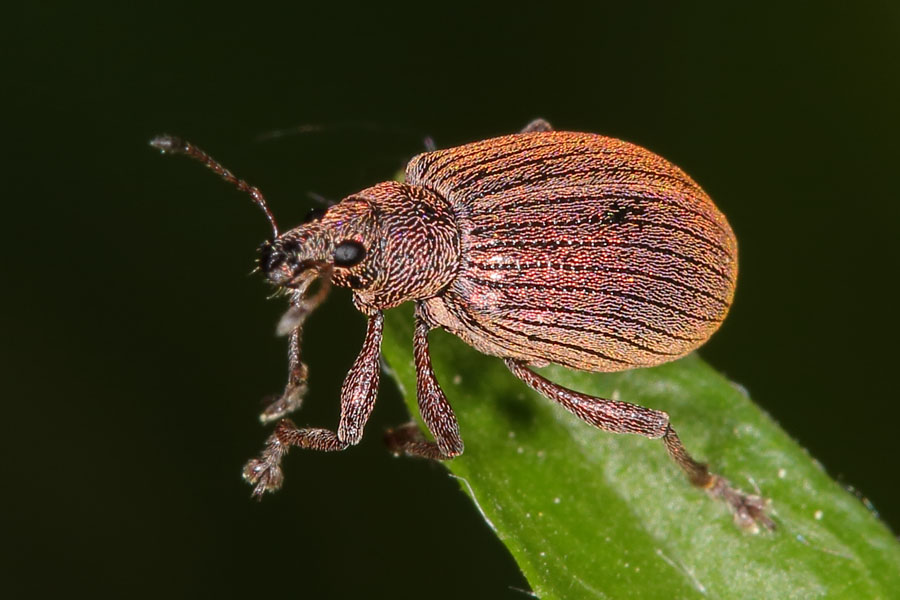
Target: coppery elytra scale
{"points": [[539, 247]]}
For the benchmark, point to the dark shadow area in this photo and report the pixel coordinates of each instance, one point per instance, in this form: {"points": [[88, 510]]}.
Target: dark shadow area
{"points": [[521, 414]]}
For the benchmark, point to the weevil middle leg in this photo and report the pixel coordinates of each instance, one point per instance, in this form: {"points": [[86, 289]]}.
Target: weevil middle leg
{"points": [[623, 417], [433, 406]]}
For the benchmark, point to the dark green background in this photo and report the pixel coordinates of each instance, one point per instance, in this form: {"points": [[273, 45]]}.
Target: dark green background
{"points": [[135, 349]]}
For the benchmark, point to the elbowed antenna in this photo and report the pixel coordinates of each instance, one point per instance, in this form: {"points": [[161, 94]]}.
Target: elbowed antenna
{"points": [[170, 144]]}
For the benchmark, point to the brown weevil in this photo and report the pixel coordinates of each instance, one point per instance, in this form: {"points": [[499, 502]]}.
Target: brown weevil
{"points": [[538, 247]]}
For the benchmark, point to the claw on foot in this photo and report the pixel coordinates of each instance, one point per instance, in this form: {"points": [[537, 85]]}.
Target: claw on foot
{"points": [[264, 473], [263, 476], [398, 438], [749, 510]]}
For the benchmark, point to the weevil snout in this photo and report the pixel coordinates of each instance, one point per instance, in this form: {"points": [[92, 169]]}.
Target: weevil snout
{"points": [[269, 258], [272, 262], [339, 241], [281, 262]]}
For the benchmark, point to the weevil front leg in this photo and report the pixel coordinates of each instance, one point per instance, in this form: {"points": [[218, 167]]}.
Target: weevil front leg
{"points": [[622, 417], [295, 390], [357, 400], [292, 324], [433, 406]]}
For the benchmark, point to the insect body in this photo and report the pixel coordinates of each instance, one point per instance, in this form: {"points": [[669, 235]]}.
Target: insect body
{"points": [[539, 247], [579, 250]]}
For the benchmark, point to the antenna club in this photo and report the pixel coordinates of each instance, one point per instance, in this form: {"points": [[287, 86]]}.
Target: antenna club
{"points": [[166, 144]]}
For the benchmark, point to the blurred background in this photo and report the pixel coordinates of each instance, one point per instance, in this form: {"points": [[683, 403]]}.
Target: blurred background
{"points": [[135, 349]]}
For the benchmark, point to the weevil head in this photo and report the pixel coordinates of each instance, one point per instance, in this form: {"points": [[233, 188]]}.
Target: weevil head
{"points": [[338, 240], [389, 243]]}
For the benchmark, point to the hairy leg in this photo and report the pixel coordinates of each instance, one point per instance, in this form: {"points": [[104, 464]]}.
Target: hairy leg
{"points": [[433, 406], [622, 417], [357, 400], [292, 325]]}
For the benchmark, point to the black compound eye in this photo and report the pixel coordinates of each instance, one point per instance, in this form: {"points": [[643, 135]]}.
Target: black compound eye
{"points": [[314, 214], [349, 253]]}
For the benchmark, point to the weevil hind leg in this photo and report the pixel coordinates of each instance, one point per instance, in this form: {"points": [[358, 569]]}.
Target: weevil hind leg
{"points": [[357, 401], [622, 417], [433, 406], [749, 510]]}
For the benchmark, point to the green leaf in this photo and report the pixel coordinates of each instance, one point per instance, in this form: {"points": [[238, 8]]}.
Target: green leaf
{"points": [[587, 514]]}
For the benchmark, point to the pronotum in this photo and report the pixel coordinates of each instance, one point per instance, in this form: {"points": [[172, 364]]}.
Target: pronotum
{"points": [[538, 247]]}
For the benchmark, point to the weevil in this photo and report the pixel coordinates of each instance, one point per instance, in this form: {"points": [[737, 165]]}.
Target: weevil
{"points": [[538, 247]]}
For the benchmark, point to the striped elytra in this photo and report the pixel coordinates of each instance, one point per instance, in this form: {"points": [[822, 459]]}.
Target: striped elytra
{"points": [[539, 247], [580, 250]]}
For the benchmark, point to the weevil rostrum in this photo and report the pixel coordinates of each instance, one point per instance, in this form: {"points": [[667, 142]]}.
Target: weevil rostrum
{"points": [[538, 247]]}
